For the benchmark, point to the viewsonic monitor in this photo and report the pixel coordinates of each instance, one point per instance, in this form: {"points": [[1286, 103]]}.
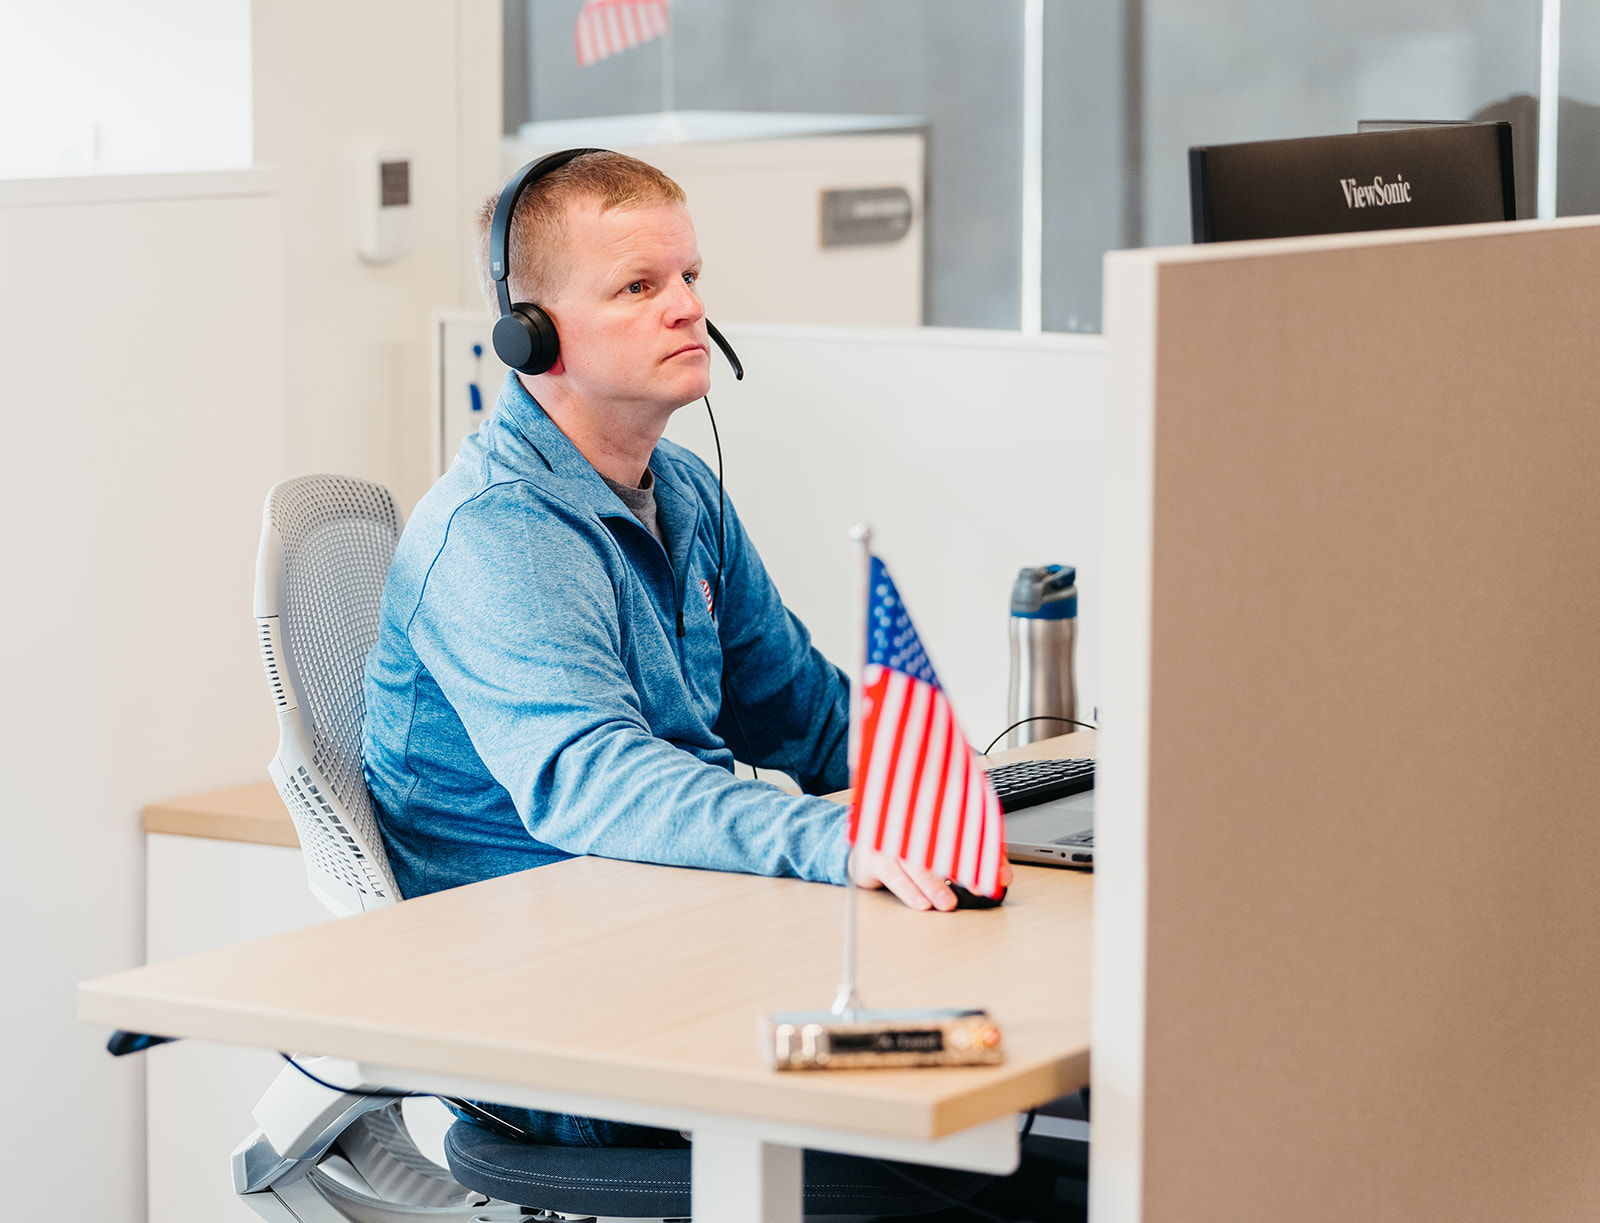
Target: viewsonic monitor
{"points": [[1437, 174]]}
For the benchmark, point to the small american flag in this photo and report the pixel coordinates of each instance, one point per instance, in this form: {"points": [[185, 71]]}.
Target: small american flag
{"points": [[920, 792], [608, 26]]}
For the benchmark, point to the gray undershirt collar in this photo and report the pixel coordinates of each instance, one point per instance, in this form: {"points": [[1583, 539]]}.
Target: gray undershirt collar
{"points": [[641, 502]]}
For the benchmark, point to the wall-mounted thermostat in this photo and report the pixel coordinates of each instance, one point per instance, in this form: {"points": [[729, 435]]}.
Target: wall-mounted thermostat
{"points": [[387, 228]]}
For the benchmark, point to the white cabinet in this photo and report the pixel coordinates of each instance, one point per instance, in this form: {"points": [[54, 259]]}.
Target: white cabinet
{"points": [[205, 893], [756, 184]]}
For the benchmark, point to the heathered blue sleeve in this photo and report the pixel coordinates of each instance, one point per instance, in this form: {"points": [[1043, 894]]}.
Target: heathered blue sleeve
{"points": [[519, 625]]}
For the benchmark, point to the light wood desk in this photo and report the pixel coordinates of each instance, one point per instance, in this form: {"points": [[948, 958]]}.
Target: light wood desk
{"points": [[632, 992]]}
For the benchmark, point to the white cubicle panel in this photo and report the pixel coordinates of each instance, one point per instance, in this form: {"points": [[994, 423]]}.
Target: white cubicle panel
{"points": [[971, 453]]}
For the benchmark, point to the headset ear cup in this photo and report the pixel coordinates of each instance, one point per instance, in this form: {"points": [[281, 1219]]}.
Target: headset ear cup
{"points": [[526, 339]]}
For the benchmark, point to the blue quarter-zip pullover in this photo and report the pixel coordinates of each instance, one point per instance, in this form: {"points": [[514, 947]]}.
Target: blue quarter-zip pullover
{"points": [[547, 677]]}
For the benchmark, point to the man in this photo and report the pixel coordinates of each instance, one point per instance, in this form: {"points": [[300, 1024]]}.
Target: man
{"points": [[564, 665], [574, 638]]}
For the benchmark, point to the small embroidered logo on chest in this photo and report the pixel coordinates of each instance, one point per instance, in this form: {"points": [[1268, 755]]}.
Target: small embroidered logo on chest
{"points": [[705, 589]]}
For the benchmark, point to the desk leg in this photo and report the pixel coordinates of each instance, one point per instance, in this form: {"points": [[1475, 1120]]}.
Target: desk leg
{"points": [[739, 1179]]}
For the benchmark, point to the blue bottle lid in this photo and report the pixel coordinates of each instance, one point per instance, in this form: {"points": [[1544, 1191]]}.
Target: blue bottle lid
{"points": [[1047, 593]]}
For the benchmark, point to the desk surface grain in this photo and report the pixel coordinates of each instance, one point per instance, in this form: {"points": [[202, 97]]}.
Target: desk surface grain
{"points": [[646, 983]]}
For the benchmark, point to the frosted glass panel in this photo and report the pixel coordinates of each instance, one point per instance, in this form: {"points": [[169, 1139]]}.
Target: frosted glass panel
{"points": [[1578, 159], [1219, 71], [956, 63], [1128, 87]]}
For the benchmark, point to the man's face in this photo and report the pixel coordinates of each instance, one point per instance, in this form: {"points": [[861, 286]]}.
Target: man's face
{"points": [[633, 331]]}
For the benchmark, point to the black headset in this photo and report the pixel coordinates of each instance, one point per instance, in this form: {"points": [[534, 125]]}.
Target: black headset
{"points": [[524, 335]]}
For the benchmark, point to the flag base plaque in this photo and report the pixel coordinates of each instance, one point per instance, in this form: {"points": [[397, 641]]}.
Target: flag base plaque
{"points": [[865, 1039]]}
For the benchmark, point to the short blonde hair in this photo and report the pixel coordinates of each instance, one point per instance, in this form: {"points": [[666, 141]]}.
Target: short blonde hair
{"points": [[537, 261]]}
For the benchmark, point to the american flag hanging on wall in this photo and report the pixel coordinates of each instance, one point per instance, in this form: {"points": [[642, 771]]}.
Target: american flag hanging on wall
{"points": [[919, 791], [608, 26]]}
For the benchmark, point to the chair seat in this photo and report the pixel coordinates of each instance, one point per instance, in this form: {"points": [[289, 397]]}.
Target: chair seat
{"points": [[633, 1182]]}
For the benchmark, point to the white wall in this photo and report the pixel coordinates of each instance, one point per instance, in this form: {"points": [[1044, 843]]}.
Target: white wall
{"points": [[143, 327], [147, 423], [971, 453], [109, 85], [330, 80]]}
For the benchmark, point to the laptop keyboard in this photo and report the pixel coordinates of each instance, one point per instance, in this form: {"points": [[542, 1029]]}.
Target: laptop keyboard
{"points": [[1027, 783]]}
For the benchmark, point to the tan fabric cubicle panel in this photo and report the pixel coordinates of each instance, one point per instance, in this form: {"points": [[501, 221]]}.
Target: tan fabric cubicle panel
{"points": [[1373, 976]]}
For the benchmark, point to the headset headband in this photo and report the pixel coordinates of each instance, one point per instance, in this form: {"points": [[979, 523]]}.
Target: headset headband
{"points": [[500, 231]]}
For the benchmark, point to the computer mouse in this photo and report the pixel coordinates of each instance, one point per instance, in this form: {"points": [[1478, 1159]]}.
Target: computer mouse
{"points": [[971, 900]]}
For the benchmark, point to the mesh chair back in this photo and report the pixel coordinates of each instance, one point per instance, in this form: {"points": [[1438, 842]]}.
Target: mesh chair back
{"points": [[326, 544]]}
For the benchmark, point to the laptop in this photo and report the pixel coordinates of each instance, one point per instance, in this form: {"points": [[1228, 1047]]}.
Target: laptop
{"points": [[1049, 806]]}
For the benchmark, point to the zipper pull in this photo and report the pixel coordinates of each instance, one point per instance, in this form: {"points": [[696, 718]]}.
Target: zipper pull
{"points": [[681, 632]]}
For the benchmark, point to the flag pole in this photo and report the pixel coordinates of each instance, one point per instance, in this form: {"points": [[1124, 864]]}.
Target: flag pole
{"points": [[849, 1034], [847, 1002]]}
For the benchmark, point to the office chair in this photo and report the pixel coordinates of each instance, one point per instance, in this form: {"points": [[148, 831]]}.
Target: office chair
{"points": [[329, 1156], [326, 544]]}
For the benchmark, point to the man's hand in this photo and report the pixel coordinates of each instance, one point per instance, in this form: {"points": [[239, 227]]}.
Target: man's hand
{"points": [[917, 887]]}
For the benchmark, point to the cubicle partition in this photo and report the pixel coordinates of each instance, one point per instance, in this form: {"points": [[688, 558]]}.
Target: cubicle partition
{"points": [[1347, 925]]}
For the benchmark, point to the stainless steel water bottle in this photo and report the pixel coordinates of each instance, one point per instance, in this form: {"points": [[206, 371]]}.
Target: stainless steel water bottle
{"points": [[1044, 631]]}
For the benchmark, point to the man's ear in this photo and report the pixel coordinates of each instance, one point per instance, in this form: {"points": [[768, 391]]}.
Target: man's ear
{"points": [[530, 381]]}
